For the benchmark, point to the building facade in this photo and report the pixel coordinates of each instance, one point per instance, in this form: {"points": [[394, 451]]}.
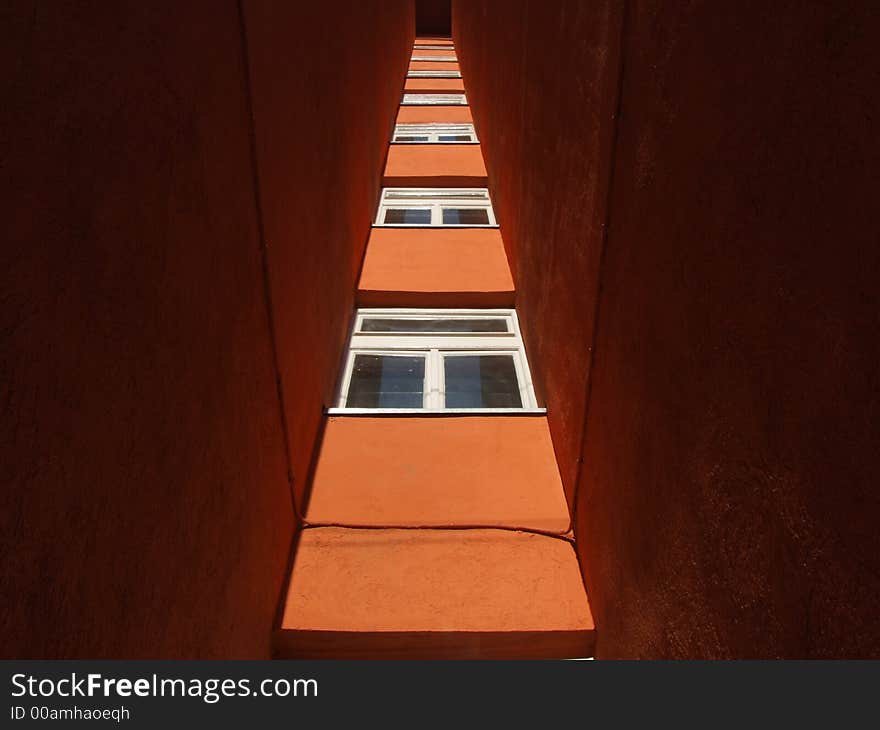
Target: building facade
{"points": [[436, 525]]}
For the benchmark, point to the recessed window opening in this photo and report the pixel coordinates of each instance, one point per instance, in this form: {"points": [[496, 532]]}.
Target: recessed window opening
{"points": [[433, 74], [451, 207], [436, 360], [434, 100], [451, 59], [435, 133]]}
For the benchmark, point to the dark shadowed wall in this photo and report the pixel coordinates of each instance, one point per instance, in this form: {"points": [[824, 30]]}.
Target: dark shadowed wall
{"points": [[543, 112], [145, 508], [727, 501], [433, 17], [326, 92]]}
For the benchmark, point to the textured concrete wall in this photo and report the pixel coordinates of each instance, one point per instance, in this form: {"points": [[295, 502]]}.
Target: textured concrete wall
{"points": [[542, 109], [146, 510], [327, 84], [727, 501]]}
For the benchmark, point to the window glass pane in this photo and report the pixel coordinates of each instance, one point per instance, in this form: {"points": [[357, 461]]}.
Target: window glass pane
{"points": [[410, 138], [378, 324], [466, 216], [454, 138], [386, 381], [413, 216], [481, 381]]}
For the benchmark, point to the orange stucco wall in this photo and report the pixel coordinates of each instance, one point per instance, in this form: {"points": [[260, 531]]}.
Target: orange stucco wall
{"points": [[426, 114], [469, 470], [436, 536], [456, 594], [435, 165], [433, 66], [440, 53], [435, 41], [435, 267], [438, 86]]}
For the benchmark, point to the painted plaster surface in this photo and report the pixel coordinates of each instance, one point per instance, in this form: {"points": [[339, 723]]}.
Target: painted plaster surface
{"points": [[434, 86], [461, 266], [435, 165], [435, 53], [384, 590], [439, 471], [425, 114], [471, 592], [433, 65]]}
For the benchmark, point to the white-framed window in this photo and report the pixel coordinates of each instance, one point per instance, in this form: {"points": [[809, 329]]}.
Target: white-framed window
{"points": [[436, 360], [433, 74], [434, 99], [450, 207], [435, 133], [451, 59]]}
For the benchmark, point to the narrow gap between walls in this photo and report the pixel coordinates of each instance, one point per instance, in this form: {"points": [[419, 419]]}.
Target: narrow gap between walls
{"points": [[606, 227]]}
